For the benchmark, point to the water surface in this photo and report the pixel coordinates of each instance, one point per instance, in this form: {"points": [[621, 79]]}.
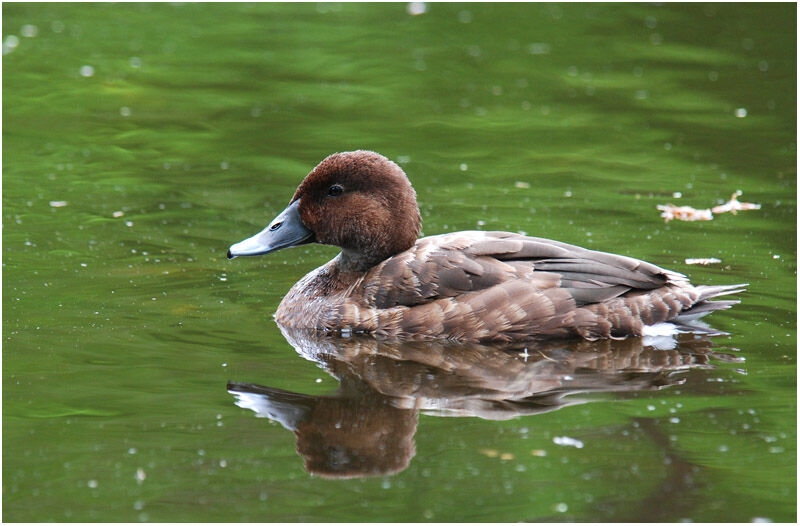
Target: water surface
{"points": [[141, 140]]}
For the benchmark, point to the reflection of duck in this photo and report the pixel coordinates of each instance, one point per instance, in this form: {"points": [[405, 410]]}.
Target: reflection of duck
{"points": [[367, 428], [356, 433], [469, 286]]}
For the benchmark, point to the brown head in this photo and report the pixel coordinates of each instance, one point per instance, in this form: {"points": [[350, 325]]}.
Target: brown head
{"points": [[359, 201]]}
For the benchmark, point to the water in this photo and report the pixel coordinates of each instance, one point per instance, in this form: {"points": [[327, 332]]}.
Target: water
{"points": [[140, 141]]}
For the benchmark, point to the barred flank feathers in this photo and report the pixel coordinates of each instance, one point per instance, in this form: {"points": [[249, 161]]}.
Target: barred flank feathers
{"points": [[483, 286]]}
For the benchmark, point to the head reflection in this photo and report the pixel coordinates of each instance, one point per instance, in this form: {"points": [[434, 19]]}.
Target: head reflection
{"points": [[356, 433], [367, 427]]}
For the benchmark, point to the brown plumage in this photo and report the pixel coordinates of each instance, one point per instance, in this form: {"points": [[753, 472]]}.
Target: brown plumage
{"points": [[468, 286]]}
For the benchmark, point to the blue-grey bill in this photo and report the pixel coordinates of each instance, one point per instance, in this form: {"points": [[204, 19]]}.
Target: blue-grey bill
{"points": [[286, 230]]}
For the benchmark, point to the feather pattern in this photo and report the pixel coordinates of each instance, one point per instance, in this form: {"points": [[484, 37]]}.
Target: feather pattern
{"points": [[482, 286]]}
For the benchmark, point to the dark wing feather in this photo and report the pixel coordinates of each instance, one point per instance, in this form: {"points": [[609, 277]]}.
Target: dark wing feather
{"points": [[451, 265], [435, 268], [588, 275]]}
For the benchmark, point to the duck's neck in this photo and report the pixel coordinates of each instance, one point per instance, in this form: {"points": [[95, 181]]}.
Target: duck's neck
{"points": [[350, 261]]}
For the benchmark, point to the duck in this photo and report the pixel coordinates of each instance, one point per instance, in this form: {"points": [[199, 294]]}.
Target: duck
{"points": [[469, 286]]}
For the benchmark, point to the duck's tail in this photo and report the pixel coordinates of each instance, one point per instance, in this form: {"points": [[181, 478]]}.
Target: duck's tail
{"points": [[712, 291], [702, 306]]}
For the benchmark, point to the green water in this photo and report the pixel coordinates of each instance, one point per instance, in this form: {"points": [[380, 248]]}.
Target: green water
{"points": [[172, 131]]}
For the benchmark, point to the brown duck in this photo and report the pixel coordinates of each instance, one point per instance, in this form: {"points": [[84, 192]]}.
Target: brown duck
{"points": [[467, 286]]}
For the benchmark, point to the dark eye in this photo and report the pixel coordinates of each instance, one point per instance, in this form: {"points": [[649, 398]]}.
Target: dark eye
{"points": [[335, 190]]}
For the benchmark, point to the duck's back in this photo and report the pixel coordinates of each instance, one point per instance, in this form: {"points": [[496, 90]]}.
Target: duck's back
{"points": [[481, 286]]}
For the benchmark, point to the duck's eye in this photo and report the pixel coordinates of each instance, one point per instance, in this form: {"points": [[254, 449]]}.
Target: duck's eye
{"points": [[335, 190]]}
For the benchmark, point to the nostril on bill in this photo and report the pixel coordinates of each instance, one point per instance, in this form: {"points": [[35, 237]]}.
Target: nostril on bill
{"points": [[276, 226]]}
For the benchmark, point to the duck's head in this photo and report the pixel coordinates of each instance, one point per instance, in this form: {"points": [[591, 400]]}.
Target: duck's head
{"points": [[359, 201]]}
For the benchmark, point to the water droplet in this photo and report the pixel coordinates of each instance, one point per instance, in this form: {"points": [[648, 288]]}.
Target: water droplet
{"points": [[29, 31], [416, 8], [539, 48], [10, 44], [568, 441]]}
